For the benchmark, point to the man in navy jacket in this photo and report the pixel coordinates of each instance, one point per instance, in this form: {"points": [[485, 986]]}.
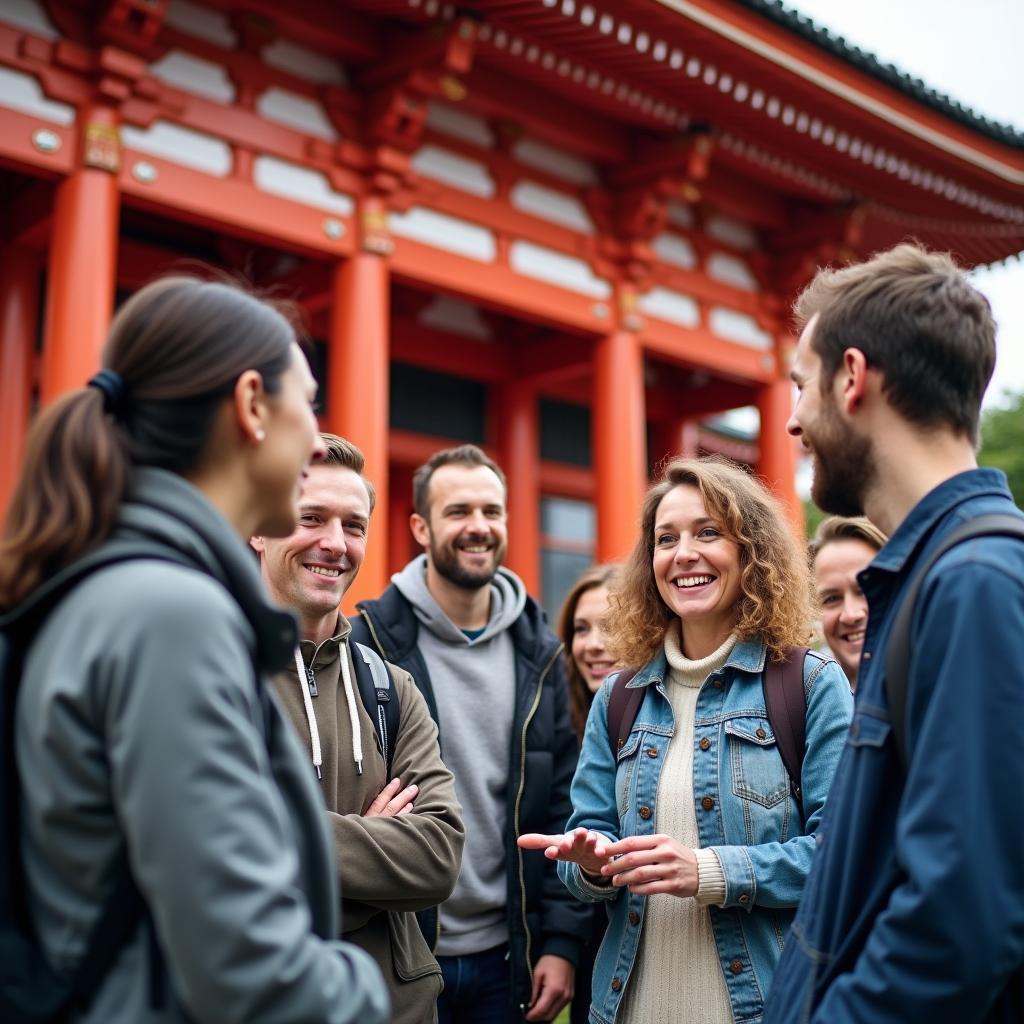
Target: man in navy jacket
{"points": [[914, 910]]}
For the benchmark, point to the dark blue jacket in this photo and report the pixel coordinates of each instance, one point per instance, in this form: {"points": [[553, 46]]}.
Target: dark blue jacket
{"points": [[543, 918], [914, 910]]}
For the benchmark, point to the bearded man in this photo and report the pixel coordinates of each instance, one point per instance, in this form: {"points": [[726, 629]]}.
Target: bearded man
{"points": [[914, 909], [480, 651]]}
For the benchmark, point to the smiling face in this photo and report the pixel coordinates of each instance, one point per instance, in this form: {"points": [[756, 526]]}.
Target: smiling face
{"points": [[592, 660], [696, 569], [466, 534], [843, 460], [844, 608], [311, 569]]}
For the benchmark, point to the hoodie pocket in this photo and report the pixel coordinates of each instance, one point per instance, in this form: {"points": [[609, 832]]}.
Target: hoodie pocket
{"points": [[410, 955]]}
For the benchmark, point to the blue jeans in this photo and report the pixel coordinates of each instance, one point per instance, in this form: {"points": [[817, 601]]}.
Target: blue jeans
{"points": [[477, 988]]}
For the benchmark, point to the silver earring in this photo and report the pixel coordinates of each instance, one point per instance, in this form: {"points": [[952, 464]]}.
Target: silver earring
{"points": [[261, 436]]}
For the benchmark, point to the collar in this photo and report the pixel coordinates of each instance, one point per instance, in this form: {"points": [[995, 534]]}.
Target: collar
{"points": [[934, 506], [324, 652], [746, 656]]}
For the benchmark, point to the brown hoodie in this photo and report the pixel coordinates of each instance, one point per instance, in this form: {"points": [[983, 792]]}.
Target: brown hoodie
{"points": [[389, 867]]}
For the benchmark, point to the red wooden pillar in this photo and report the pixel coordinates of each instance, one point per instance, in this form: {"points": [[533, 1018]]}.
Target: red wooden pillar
{"points": [[689, 438], [83, 258], [673, 440], [777, 465], [19, 304], [520, 459], [397, 512], [358, 387], [620, 447]]}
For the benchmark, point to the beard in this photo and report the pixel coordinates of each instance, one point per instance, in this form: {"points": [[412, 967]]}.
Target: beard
{"points": [[844, 465], [446, 562]]}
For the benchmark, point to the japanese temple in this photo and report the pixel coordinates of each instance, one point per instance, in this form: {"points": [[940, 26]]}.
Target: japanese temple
{"points": [[570, 232]]}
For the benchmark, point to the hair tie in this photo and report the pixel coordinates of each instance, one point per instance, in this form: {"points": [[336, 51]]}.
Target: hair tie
{"points": [[111, 384]]}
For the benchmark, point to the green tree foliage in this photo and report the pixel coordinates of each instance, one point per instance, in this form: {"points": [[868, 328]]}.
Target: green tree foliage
{"points": [[812, 516], [1002, 441]]}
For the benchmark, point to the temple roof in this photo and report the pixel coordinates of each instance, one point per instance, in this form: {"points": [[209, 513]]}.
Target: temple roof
{"points": [[837, 46]]}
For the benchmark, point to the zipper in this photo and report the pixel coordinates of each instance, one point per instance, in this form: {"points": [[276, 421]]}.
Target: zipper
{"points": [[380, 648], [519, 797], [373, 633]]}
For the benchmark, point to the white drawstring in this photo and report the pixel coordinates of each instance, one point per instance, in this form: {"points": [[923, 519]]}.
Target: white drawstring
{"points": [[307, 701], [353, 713]]}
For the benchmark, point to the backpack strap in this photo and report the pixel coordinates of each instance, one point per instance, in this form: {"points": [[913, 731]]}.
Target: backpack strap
{"points": [[623, 707], [897, 652], [379, 697], [783, 684]]}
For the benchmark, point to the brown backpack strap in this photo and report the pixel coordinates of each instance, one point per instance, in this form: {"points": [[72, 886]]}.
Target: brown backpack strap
{"points": [[623, 707], [783, 683]]}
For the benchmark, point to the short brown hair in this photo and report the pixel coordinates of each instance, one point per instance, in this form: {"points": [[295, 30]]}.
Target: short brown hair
{"points": [[580, 697], [918, 320], [342, 452], [775, 581], [836, 528], [463, 455]]}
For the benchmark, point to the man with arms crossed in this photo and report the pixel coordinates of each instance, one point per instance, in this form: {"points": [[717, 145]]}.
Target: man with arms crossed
{"points": [[914, 910], [841, 548], [480, 650], [397, 842]]}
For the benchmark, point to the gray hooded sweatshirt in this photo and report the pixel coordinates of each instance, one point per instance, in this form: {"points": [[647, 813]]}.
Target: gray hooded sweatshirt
{"points": [[474, 686]]}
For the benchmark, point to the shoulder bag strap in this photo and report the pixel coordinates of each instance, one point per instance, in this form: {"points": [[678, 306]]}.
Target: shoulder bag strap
{"points": [[897, 652], [379, 698], [623, 707], [783, 683]]}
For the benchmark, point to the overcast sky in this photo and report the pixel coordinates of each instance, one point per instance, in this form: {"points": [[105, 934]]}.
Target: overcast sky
{"points": [[973, 53]]}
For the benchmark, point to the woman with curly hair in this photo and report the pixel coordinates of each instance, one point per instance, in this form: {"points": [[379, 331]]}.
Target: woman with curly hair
{"points": [[692, 831]]}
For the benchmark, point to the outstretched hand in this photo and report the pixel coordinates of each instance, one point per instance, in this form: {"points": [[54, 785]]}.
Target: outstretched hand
{"points": [[588, 849]]}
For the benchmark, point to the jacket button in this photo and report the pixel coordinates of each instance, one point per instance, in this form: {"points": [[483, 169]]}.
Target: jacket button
{"points": [[652, 751], [760, 734], [707, 803], [645, 812], [745, 898], [634, 917], [718, 684], [736, 967], [705, 744], [616, 984], [866, 656]]}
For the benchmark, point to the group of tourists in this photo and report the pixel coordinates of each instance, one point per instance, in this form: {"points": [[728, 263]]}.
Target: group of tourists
{"points": [[225, 801]]}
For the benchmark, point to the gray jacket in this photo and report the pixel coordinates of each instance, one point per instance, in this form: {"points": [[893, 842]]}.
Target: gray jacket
{"points": [[141, 728]]}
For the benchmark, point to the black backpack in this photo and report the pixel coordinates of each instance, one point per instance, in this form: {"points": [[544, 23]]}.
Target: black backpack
{"points": [[30, 993], [783, 685]]}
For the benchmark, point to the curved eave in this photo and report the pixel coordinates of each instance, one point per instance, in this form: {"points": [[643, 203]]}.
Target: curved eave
{"points": [[888, 74]]}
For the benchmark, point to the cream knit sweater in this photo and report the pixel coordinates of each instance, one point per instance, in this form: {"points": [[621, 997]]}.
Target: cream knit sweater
{"points": [[677, 975]]}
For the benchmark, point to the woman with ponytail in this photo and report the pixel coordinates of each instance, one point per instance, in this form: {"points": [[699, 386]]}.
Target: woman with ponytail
{"points": [[147, 748]]}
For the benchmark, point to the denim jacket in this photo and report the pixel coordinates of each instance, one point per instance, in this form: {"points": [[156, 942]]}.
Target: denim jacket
{"points": [[744, 805], [915, 908]]}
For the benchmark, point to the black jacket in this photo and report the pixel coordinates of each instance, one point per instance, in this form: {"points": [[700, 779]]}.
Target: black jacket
{"points": [[543, 917]]}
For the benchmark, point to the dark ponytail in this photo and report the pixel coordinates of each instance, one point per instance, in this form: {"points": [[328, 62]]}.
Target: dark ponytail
{"points": [[179, 345]]}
